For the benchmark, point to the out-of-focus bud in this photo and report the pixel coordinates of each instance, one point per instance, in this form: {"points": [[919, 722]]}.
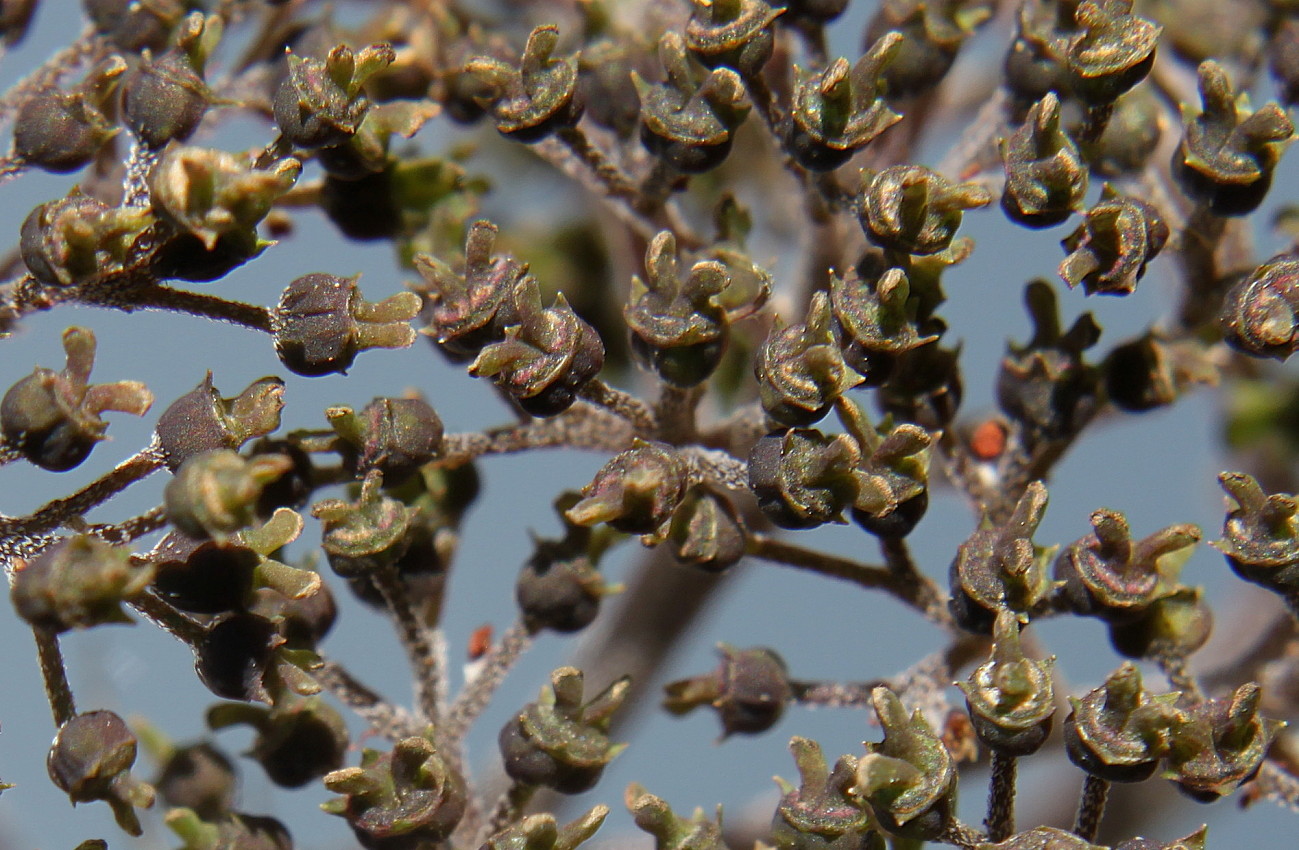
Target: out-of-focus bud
{"points": [[77, 583], [321, 102], [91, 758], [749, 690], [1260, 314]]}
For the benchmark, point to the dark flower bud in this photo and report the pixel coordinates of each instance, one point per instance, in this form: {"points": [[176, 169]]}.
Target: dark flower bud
{"points": [[91, 758], [1045, 385], [924, 384], [234, 829], [842, 109], [1225, 159], [605, 68], [77, 583], [686, 121], [165, 99], [911, 209], [403, 799], [367, 535], [749, 690], [1283, 59], [878, 321], [321, 323], [803, 478], [801, 369], [635, 492], [821, 813], [198, 777], [77, 238], [545, 359], [1131, 136], [533, 100], [243, 657], [1112, 51], [909, 778], [540, 832], [670, 830], [1221, 746], [1109, 575], [1011, 698], [1109, 251], [999, 567], [297, 740], [469, 309], [560, 742], [134, 26], [559, 587], [678, 327], [321, 102], [1033, 66], [53, 418], [707, 531], [201, 420], [1151, 372], [214, 494], [62, 131], [1260, 314], [1046, 177], [393, 435], [295, 486], [932, 34], [1050, 838], [1172, 627], [15, 16], [892, 476], [734, 33], [1119, 732], [1260, 534]]}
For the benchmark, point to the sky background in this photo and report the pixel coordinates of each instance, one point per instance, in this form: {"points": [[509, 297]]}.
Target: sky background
{"points": [[1158, 468]]}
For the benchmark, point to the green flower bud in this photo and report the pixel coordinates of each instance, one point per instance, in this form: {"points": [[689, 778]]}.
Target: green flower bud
{"points": [[165, 99], [533, 100], [367, 535], [1118, 732], [1221, 746], [707, 531], [60, 131], [198, 777], [878, 321], [821, 813], [91, 758], [734, 33], [932, 34], [321, 103], [893, 475], [214, 494], [1260, 534], [76, 239], [801, 370], [235, 829], [539, 832], [1260, 313], [672, 832], [803, 478], [1047, 838], [1010, 698], [911, 209], [1171, 628], [1111, 248], [635, 492], [297, 741], [76, 583], [1111, 53], [1046, 177], [908, 779]]}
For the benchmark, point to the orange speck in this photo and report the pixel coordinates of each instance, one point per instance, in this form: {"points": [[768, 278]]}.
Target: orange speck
{"points": [[988, 440], [480, 641]]}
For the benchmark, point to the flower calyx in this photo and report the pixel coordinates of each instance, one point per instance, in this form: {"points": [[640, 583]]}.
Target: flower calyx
{"points": [[1260, 534], [1110, 250], [533, 100], [877, 317], [1227, 154], [201, 420], [214, 493], [405, 798], [686, 121], [53, 418], [840, 110], [892, 475], [1110, 53], [541, 832], [297, 740], [393, 435], [322, 323], [61, 131], [321, 103], [909, 778], [671, 831], [821, 813], [546, 358], [1000, 567], [636, 492], [801, 369], [913, 210], [76, 583], [91, 758], [1109, 575], [1046, 177], [734, 33], [559, 741], [77, 239], [367, 535], [749, 690], [1119, 732], [678, 327], [1260, 314], [803, 478], [1011, 698], [1221, 746]]}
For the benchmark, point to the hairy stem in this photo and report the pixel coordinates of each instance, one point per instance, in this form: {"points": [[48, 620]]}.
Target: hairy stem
{"points": [[57, 690]]}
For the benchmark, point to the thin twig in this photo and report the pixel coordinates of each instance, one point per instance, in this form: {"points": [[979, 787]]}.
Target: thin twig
{"points": [[477, 693], [1091, 807], [622, 404], [420, 652], [508, 810], [168, 618], [388, 720], [1001, 797], [57, 690], [157, 297], [674, 413]]}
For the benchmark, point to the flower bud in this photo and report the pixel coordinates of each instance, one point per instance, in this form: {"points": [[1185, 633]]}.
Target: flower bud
{"points": [[213, 494], [909, 778], [1051, 838], [1111, 52], [297, 741], [822, 812], [393, 435], [406, 798], [734, 33], [878, 321], [90, 759], [165, 99], [559, 587], [76, 239], [560, 742], [1109, 251], [892, 476], [533, 100], [321, 102], [1172, 627], [1010, 698], [235, 829], [801, 370], [685, 121], [545, 359], [749, 690], [469, 309], [133, 26], [201, 420], [1260, 314], [53, 418], [999, 567], [671, 831], [76, 583], [243, 657], [321, 323], [539, 832], [842, 109], [803, 478], [1046, 177], [1194, 841], [635, 492], [1107, 574], [1118, 732], [367, 535], [911, 209], [198, 777], [60, 131], [1222, 745], [707, 531], [932, 34], [1260, 534]]}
